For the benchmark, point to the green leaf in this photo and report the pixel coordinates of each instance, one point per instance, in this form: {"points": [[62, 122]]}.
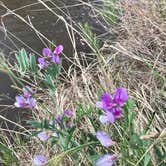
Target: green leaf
{"points": [[49, 82], [53, 70], [130, 104], [35, 124], [83, 111], [137, 142], [147, 159], [26, 62], [23, 61], [93, 158], [45, 124], [32, 62], [110, 13], [7, 157], [150, 122], [69, 137], [129, 117], [159, 155]]}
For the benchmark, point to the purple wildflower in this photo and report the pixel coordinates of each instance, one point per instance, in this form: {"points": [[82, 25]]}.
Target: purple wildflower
{"points": [[39, 160], [68, 125], [55, 59], [104, 138], [117, 112], [120, 96], [58, 50], [59, 119], [27, 101], [106, 160], [42, 63], [46, 52], [20, 102], [108, 117], [27, 91], [112, 106], [43, 136], [105, 102], [31, 103], [50, 56], [68, 113]]}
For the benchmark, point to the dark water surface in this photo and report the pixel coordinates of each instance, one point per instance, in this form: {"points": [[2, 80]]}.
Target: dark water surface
{"points": [[46, 23]]}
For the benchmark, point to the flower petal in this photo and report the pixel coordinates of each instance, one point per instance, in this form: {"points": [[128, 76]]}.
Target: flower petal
{"points": [[43, 136], [106, 101], [31, 103], [104, 138], [106, 160], [103, 119], [117, 112], [20, 102], [120, 96], [99, 105], [46, 52], [41, 60], [39, 160], [42, 63], [68, 113], [110, 117], [55, 59], [59, 119], [58, 50], [106, 98], [55, 135]]}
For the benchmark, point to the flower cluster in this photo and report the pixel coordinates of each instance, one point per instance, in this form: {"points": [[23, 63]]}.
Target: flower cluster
{"points": [[66, 118], [50, 56], [112, 107], [45, 135], [26, 101]]}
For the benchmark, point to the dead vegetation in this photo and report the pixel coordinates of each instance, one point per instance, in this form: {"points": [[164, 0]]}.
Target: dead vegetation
{"points": [[135, 59]]}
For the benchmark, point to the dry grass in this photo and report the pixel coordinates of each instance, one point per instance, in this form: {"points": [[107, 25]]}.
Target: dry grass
{"points": [[134, 59]]}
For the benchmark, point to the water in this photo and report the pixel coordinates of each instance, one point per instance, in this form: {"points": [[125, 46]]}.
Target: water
{"points": [[42, 20], [47, 24]]}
